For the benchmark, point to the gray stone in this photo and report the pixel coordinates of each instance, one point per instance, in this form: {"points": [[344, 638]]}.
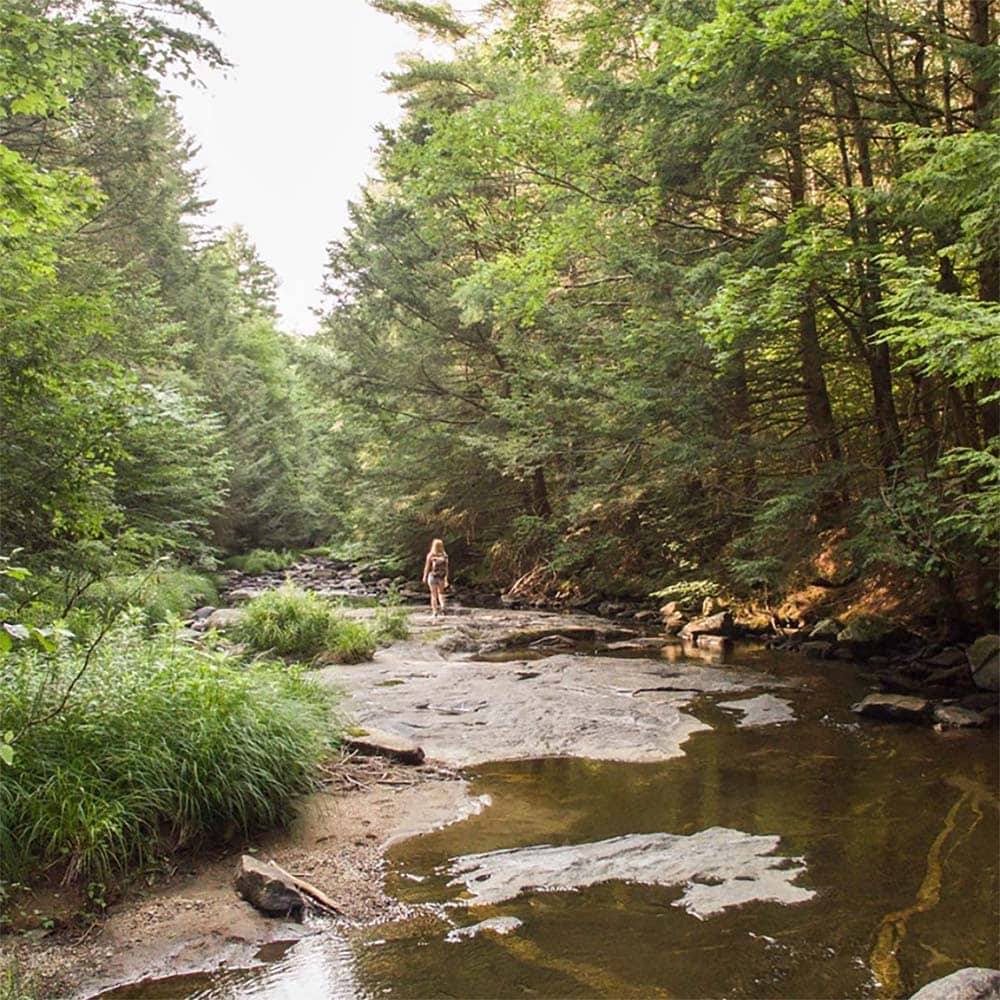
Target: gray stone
{"points": [[966, 984], [243, 594], [828, 628], [223, 618], [715, 642], [951, 657], [201, 613], [956, 717], [867, 635], [266, 889], [378, 743], [817, 650], [893, 707], [720, 624], [984, 662]]}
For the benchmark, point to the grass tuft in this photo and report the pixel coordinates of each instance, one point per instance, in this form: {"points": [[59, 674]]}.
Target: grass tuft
{"points": [[159, 745], [293, 622], [262, 561]]}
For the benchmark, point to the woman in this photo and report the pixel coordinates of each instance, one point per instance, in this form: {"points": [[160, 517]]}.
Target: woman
{"points": [[436, 575]]}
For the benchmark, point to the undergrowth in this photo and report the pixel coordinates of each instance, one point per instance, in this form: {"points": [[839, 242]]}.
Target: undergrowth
{"points": [[158, 745], [261, 561]]}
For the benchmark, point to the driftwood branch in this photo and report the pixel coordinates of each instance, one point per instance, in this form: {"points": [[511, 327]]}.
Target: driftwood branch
{"points": [[311, 891]]}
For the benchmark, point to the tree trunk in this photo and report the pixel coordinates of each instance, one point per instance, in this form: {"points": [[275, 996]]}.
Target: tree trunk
{"points": [[819, 412]]}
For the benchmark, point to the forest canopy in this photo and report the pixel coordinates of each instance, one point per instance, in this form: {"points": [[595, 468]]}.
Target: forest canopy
{"points": [[642, 292]]}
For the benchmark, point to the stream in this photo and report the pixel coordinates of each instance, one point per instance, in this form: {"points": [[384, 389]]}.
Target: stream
{"points": [[782, 848]]}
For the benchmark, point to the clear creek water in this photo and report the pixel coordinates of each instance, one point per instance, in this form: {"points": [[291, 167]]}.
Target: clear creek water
{"points": [[892, 829]]}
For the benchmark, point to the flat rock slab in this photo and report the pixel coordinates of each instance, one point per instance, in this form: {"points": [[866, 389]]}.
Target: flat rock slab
{"points": [[893, 707], [764, 710], [466, 712], [718, 868], [379, 743]]}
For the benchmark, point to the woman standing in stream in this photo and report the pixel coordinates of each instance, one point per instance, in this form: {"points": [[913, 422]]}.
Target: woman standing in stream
{"points": [[436, 575]]}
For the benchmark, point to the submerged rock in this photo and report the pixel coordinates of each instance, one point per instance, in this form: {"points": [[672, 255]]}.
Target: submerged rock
{"points": [[764, 710], [966, 984], [718, 868], [495, 925], [957, 717]]}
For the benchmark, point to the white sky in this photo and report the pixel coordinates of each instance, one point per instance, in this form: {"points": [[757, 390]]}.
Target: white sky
{"points": [[287, 135]]}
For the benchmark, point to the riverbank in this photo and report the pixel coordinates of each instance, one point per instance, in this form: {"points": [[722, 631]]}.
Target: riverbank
{"points": [[192, 920]]}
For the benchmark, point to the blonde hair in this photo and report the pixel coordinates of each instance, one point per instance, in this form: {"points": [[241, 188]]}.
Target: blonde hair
{"points": [[437, 548]]}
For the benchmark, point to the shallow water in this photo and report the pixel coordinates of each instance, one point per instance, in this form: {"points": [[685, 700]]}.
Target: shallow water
{"points": [[895, 829]]}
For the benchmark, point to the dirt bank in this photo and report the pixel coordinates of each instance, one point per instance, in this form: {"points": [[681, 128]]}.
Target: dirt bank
{"points": [[196, 922]]}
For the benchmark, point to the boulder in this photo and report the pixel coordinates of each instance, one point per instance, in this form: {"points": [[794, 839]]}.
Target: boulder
{"points": [[828, 628], [222, 618], [893, 707], [267, 889], [378, 743], [674, 623], [950, 657], [867, 635], [966, 984], [201, 614], [720, 624], [817, 650], [984, 662], [957, 717]]}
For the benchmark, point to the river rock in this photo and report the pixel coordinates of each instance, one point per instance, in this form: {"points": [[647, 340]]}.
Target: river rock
{"points": [[720, 624], [893, 707], [378, 743], [984, 662], [867, 635], [957, 717], [222, 618], [828, 628], [817, 650], [265, 888], [966, 984], [953, 656]]}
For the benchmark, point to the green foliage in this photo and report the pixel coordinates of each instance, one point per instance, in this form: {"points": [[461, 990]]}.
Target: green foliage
{"points": [[297, 623], [349, 641], [158, 745], [392, 621], [261, 561], [689, 591], [161, 592]]}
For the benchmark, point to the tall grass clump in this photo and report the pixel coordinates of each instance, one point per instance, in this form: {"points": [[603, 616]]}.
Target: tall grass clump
{"points": [[261, 561], [158, 745], [293, 622]]}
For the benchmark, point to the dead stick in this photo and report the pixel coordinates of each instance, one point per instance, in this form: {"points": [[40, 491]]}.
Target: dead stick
{"points": [[309, 890]]}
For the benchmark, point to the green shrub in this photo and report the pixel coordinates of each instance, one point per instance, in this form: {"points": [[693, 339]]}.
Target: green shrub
{"points": [[261, 561], [293, 622], [287, 621], [159, 744], [349, 641]]}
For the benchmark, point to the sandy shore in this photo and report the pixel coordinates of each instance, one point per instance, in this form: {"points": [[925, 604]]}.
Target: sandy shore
{"points": [[196, 922]]}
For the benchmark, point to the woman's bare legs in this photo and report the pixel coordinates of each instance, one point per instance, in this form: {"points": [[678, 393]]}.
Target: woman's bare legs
{"points": [[437, 598]]}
